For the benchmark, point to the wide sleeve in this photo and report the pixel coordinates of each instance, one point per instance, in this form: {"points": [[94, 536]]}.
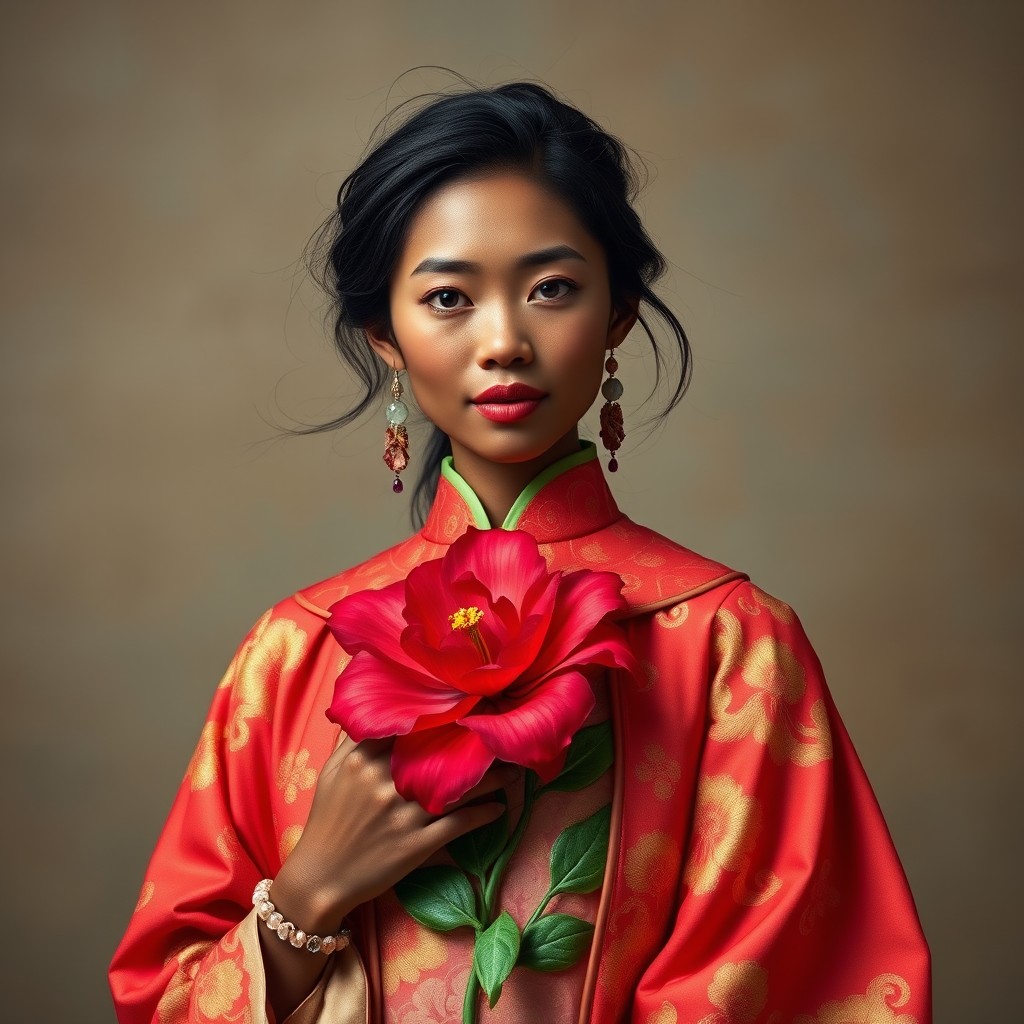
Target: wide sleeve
{"points": [[793, 904], [191, 951]]}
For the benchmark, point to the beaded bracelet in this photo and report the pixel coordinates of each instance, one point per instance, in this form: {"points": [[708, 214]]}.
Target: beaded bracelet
{"points": [[286, 931]]}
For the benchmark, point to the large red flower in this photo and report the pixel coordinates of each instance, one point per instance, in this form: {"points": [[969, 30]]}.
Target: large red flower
{"points": [[476, 656]]}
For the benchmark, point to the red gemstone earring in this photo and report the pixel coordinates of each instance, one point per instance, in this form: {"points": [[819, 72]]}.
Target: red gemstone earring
{"points": [[612, 432], [396, 437]]}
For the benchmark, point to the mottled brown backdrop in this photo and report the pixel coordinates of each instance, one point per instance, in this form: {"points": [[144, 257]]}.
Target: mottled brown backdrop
{"points": [[837, 187]]}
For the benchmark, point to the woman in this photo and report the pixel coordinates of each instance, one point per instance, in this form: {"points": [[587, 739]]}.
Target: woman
{"points": [[487, 252]]}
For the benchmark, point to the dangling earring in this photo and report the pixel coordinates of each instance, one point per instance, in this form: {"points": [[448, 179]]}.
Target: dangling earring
{"points": [[396, 438], [612, 433]]}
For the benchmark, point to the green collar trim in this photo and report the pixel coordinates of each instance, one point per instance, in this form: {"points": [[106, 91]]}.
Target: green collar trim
{"points": [[587, 452]]}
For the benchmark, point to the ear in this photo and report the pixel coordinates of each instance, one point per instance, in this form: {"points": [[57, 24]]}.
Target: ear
{"points": [[380, 340], [624, 316]]}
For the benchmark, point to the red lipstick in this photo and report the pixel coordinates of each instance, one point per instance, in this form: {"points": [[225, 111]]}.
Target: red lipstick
{"points": [[506, 403]]}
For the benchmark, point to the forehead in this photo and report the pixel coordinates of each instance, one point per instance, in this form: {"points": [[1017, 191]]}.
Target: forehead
{"points": [[492, 219]]}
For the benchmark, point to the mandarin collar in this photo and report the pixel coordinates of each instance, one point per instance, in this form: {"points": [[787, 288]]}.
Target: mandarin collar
{"points": [[569, 499]]}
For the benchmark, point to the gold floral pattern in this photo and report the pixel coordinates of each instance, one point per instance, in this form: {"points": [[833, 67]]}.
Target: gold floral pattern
{"points": [[289, 837], [228, 845], [294, 775], [650, 870], [772, 670], [659, 769], [651, 864], [629, 928], [779, 610], [173, 1003], [211, 976], [725, 827], [145, 894], [886, 993], [274, 646], [739, 991], [665, 1014], [218, 990], [204, 766]]}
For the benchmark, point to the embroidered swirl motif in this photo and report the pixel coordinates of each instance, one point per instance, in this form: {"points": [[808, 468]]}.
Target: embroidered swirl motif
{"points": [[725, 827], [775, 674], [778, 610], [885, 993], [275, 646]]}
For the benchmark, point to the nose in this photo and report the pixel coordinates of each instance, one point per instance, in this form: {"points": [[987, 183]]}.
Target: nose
{"points": [[504, 341]]}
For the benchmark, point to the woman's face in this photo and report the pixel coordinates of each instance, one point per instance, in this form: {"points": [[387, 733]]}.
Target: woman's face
{"points": [[499, 284]]}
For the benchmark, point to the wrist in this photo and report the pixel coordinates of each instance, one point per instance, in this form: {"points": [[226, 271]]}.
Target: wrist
{"points": [[307, 903], [288, 931]]}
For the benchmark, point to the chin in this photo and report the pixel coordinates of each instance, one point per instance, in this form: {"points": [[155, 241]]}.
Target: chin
{"points": [[516, 450]]}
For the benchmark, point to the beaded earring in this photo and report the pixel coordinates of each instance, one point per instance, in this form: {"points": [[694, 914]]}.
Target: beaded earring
{"points": [[612, 432], [396, 437]]}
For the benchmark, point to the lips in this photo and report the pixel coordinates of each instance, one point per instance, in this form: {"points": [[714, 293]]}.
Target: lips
{"points": [[508, 393], [507, 403]]}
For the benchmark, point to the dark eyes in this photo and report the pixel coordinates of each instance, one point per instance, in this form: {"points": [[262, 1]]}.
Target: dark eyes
{"points": [[446, 300]]}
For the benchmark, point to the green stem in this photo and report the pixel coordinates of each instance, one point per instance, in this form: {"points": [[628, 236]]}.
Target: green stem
{"points": [[489, 891], [540, 909], [470, 1000], [494, 881]]}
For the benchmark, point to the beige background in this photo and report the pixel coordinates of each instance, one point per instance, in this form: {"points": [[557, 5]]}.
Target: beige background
{"points": [[837, 188]]}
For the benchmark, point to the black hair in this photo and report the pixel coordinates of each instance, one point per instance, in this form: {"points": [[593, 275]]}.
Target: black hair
{"points": [[517, 126]]}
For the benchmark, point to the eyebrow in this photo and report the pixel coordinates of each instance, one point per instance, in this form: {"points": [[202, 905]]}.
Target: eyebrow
{"points": [[444, 265]]}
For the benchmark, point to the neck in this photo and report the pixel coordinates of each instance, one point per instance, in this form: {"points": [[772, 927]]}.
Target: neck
{"points": [[499, 484]]}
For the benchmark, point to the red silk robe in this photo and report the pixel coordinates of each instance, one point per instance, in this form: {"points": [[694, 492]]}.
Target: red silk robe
{"points": [[750, 877]]}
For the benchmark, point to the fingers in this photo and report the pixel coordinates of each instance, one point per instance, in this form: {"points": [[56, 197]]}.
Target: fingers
{"points": [[502, 777], [451, 826]]}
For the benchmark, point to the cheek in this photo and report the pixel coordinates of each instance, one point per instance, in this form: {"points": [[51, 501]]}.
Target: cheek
{"points": [[579, 345]]}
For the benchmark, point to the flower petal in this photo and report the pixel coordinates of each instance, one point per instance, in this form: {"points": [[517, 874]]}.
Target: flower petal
{"points": [[537, 728], [506, 561], [551, 769], [429, 599], [439, 765], [371, 620], [606, 645], [448, 659], [374, 698], [584, 599], [535, 617]]}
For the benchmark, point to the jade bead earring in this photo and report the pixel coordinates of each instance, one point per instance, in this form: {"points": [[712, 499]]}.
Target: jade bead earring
{"points": [[396, 437]]}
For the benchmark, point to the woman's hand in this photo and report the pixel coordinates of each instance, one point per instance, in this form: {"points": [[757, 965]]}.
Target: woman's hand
{"points": [[362, 836]]}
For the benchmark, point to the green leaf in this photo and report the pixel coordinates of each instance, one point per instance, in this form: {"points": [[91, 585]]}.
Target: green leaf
{"points": [[440, 898], [579, 853], [590, 756], [555, 942], [494, 955], [477, 851]]}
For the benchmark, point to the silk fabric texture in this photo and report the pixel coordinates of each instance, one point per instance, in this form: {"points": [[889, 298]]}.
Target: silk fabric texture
{"points": [[750, 879]]}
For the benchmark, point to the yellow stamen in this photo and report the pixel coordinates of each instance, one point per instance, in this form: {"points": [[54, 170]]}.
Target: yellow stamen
{"points": [[466, 620]]}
